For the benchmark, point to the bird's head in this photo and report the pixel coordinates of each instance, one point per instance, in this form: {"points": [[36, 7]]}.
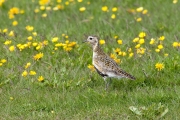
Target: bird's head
{"points": [[92, 40]]}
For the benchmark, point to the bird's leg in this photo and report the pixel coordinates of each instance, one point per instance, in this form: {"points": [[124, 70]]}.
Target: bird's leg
{"points": [[106, 84]]}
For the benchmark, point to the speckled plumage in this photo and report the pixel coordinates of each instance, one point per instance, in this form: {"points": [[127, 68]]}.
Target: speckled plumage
{"points": [[105, 65]]}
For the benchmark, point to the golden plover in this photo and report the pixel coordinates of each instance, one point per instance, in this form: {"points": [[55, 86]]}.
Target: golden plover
{"points": [[104, 65]]}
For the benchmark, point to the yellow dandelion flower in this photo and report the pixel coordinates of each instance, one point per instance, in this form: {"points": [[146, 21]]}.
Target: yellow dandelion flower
{"points": [[115, 37], [79, 0], [40, 78], [135, 39], [114, 9], [48, 8], [138, 46], [43, 2], [25, 73], [29, 28], [117, 60], [139, 9], [15, 23], [66, 36], [160, 46], [123, 53], [27, 65], [101, 42], [11, 33], [3, 60], [113, 16], [35, 44], [120, 42], [141, 50], [142, 34], [34, 34], [141, 41], [7, 42], [44, 15], [175, 1], [166, 54], [30, 38], [131, 54], [1, 64], [91, 67], [32, 72], [157, 50], [144, 11], [11, 98], [161, 38], [139, 19], [38, 56], [159, 66], [117, 50], [113, 56], [36, 10], [104, 8], [12, 48], [175, 44], [5, 30], [152, 41], [82, 9], [130, 50], [55, 39]]}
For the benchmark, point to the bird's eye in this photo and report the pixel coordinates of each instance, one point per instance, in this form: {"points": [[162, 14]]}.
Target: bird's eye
{"points": [[90, 38]]}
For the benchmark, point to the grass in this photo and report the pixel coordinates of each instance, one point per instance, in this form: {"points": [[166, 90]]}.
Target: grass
{"points": [[69, 90]]}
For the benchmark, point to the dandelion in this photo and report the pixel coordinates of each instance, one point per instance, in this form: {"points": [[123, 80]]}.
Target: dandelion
{"points": [[55, 39], [1, 2], [13, 11], [27, 65], [152, 41], [117, 50], [160, 47], [157, 50], [11, 98], [138, 46], [12, 48], [34, 34], [29, 28], [115, 37], [139, 9], [5, 30], [43, 2], [131, 54], [48, 8], [11, 33], [120, 42], [139, 19], [144, 11], [104, 8], [30, 38], [36, 10], [117, 60], [175, 1], [32, 72], [79, 0], [40, 78], [1, 64], [161, 38], [135, 39], [38, 56], [141, 41], [25, 73], [101, 42], [175, 44], [142, 34], [82, 9], [3, 60], [113, 56], [166, 54], [114, 9], [7, 42], [35, 44], [159, 66], [66, 36], [113, 16], [15, 23], [91, 67], [44, 15]]}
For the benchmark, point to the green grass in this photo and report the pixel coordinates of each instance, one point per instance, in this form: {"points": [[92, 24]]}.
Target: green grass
{"points": [[72, 91]]}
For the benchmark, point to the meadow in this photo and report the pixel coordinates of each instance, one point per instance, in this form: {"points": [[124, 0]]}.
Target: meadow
{"points": [[46, 70]]}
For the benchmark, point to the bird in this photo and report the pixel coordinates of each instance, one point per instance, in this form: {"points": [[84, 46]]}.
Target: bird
{"points": [[104, 65]]}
